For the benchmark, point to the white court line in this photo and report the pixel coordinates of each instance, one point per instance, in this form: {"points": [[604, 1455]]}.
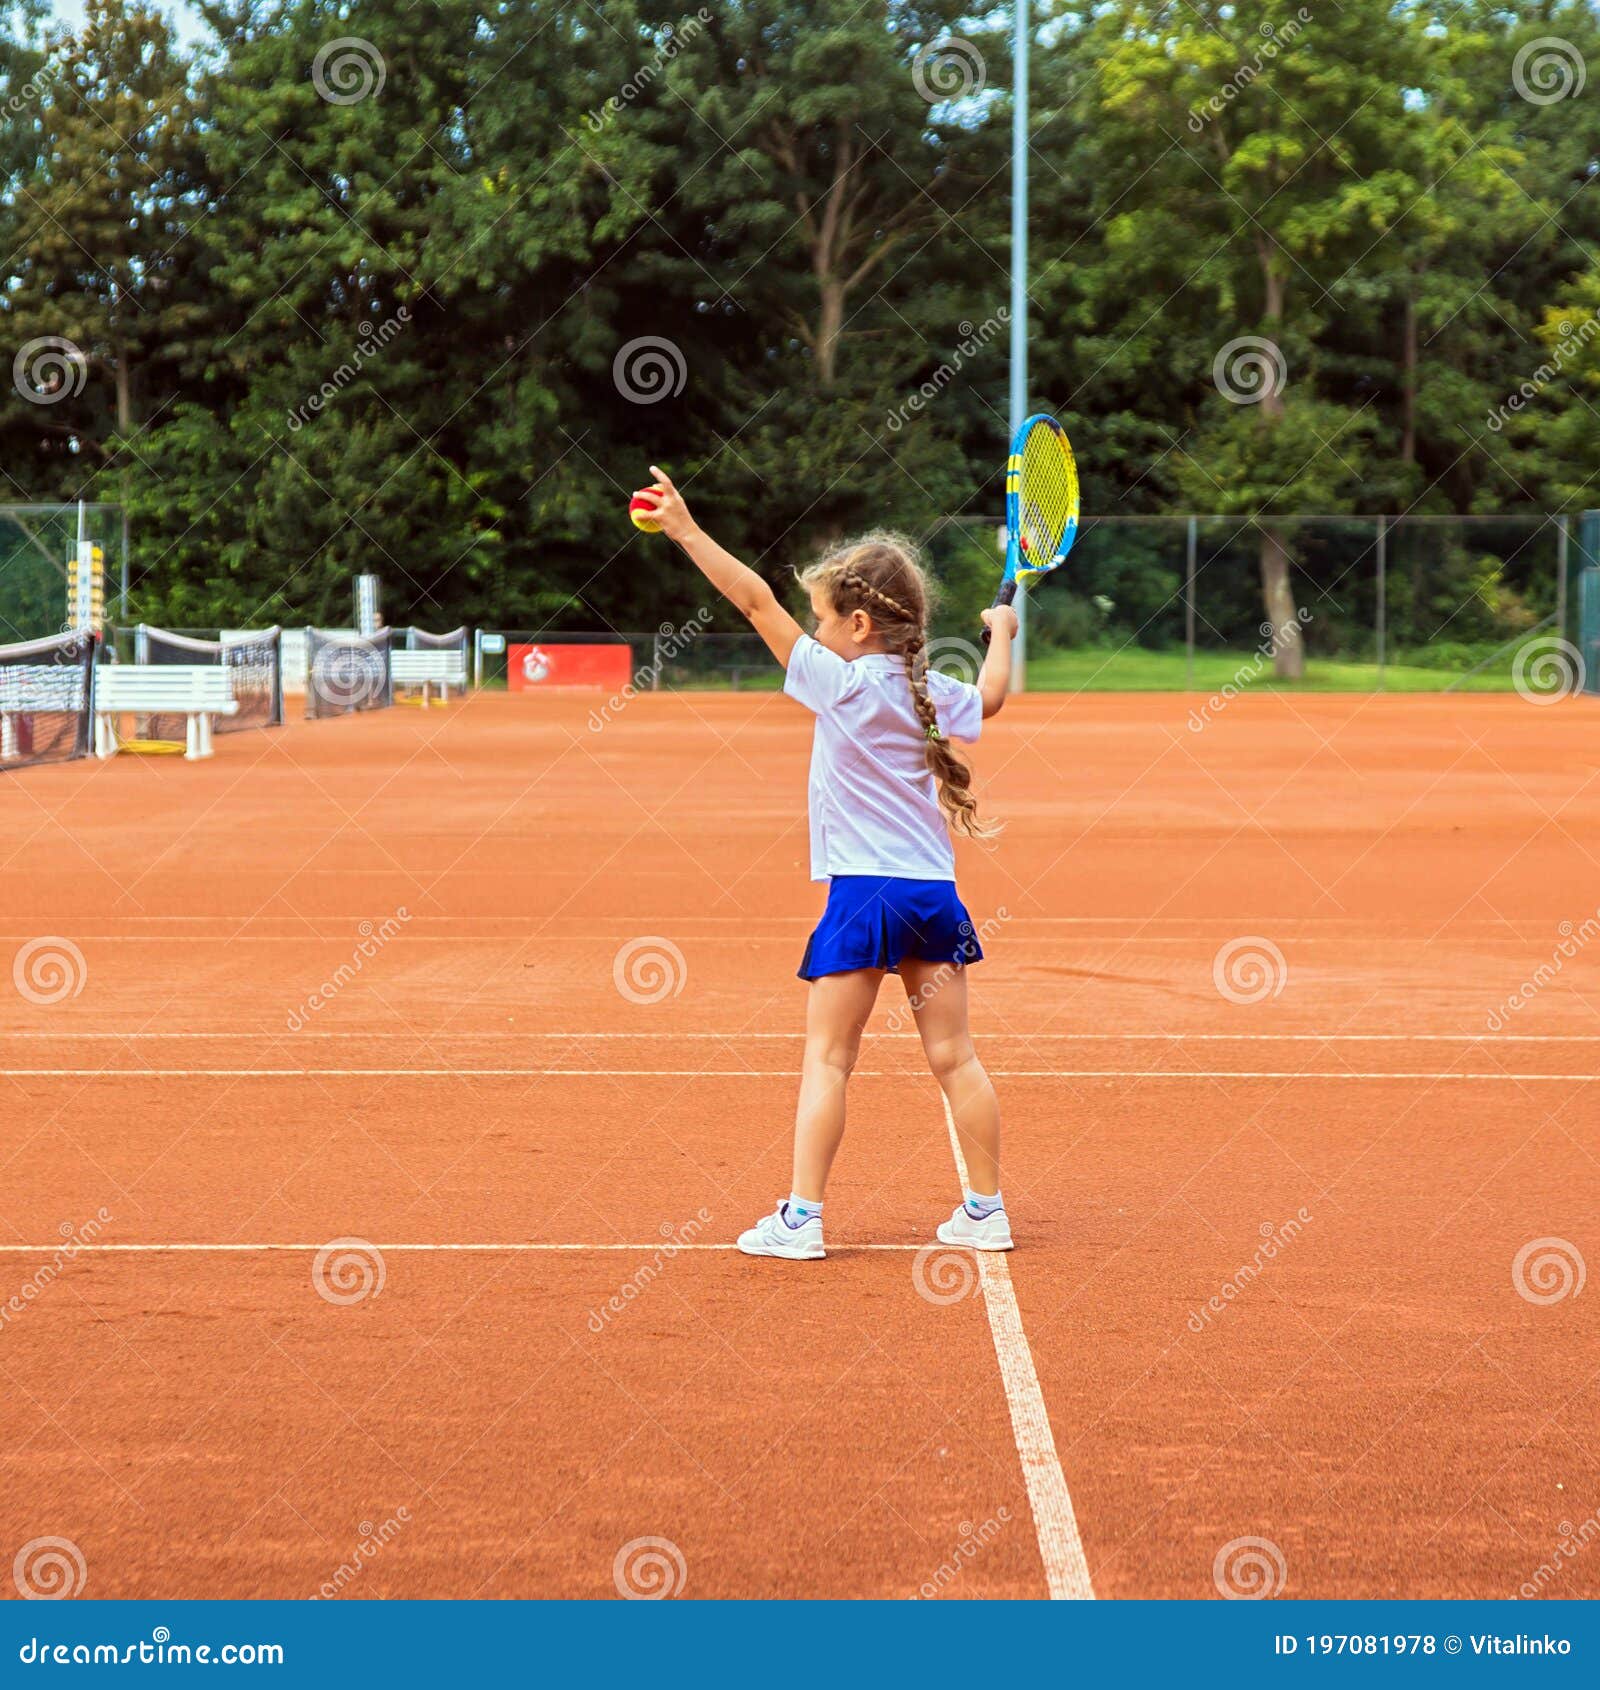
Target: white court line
{"points": [[1364, 927], [755, 1074], [746, 1038], [503, 1249], [1066, 1567]]}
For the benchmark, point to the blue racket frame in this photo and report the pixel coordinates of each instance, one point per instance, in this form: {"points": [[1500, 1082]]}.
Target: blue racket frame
{"points": [[1016, 574]]}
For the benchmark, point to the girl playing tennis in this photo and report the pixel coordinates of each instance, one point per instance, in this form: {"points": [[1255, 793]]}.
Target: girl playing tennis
{"points": [[885, 790]]}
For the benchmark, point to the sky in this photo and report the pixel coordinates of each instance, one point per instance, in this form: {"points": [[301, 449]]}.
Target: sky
{"points": [[189, 26]]}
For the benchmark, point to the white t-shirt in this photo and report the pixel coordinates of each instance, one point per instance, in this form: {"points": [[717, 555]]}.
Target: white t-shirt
{"points": [[874, 801]]}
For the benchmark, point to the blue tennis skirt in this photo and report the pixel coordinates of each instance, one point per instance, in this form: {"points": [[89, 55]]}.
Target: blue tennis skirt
{"points": [[876, 920]]}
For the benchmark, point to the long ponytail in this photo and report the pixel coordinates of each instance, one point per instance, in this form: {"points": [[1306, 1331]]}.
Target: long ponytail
{"points": [[880, 574]]}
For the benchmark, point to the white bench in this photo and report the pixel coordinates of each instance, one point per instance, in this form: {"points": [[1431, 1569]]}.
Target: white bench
{"points": [[36, 689], [428, 669], [198, 692]]}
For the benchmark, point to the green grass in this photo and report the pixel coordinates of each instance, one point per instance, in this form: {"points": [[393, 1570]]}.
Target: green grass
{"points": [[1133, 669]]}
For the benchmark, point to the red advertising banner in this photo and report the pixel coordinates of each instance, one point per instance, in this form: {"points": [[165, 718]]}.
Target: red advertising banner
{"points": [[535, 668]]}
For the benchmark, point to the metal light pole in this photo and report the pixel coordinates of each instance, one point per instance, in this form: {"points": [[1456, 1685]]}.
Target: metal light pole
{"points": [[1019, 283]]}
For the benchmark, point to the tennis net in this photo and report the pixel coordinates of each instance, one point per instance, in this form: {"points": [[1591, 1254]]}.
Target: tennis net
{"points": [[347, 672], [254, 660], [46, 695]]}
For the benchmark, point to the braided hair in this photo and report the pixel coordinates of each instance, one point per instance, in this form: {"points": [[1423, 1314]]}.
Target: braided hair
{"points": [[880, 574]]}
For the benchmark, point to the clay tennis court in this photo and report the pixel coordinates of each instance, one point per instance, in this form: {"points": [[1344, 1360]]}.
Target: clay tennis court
{"points": [[547, 1351]]}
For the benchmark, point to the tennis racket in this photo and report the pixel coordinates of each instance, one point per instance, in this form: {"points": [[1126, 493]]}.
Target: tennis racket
{"points": [[1041, 504]]}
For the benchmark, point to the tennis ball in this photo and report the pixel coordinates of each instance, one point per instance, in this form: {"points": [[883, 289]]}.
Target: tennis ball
{"points": [[640, 508]]}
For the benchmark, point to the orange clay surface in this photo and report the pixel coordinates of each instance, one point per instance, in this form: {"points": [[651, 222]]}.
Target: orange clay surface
{"points": [[360, 979]]}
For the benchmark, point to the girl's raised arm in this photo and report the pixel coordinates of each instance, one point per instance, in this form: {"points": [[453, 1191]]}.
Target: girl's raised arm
{"points": [[737, 582]]}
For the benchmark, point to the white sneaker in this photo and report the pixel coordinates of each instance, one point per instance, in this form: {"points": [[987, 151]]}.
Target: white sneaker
{"points": [[993, 1232], [773, 1236]]}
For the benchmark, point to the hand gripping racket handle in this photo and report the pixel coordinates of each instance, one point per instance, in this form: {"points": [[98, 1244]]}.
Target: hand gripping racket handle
{"points": [[1008, 591]]}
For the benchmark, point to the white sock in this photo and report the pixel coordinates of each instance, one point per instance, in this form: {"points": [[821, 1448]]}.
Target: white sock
{"points": [[798, 1210], [980, 1207]]}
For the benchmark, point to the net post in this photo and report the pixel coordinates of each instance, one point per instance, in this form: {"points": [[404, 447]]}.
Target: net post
{"points": [[1562, 542], [1191, 547], [477, 659], [1383, 595]]}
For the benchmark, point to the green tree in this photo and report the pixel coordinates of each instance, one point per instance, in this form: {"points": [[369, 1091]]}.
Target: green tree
{"points": [[103, 221], [818, 180]]}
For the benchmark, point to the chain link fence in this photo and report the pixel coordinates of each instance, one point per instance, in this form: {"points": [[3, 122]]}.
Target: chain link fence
{"points": [[38, 551], [1143, 603], [1416, 602]]}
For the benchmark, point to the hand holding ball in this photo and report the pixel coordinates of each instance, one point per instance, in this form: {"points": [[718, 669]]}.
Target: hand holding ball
{"points": [[648, 507]]}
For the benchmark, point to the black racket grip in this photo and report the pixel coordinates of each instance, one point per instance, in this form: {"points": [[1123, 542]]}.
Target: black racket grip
{"points": [[1008, 591]]}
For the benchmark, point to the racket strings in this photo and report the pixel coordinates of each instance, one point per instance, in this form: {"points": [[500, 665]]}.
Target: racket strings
{"points": [[1047, 497]]}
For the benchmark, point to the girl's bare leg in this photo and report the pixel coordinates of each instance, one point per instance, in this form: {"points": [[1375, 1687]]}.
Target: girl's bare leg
{"points": [[937, 992], [836, 1013]]}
